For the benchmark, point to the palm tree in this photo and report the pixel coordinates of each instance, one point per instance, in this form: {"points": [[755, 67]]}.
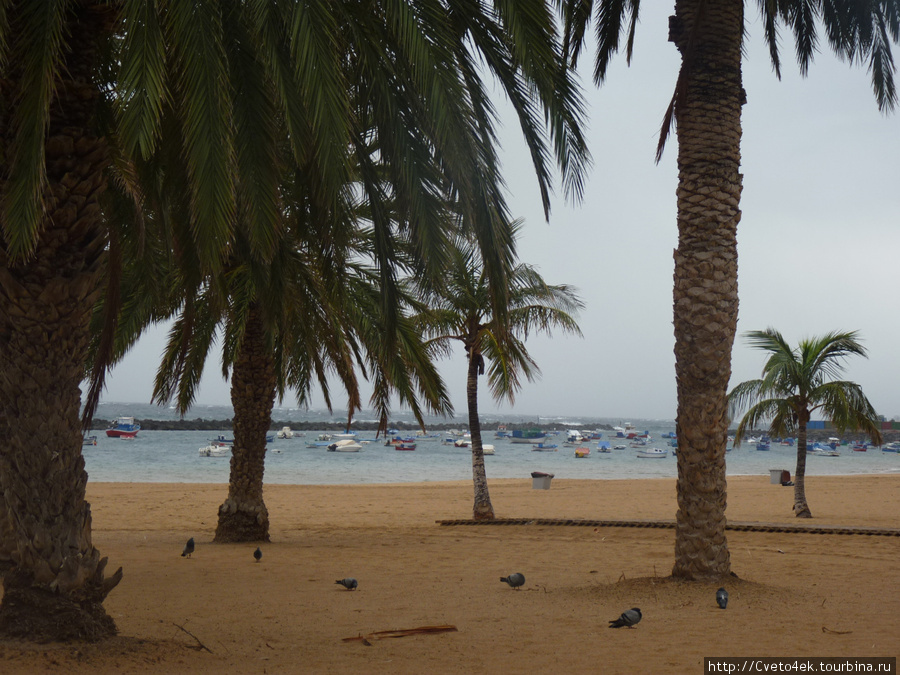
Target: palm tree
{"points": [[706, 112], [459, 310], [213, 91], [288, 325], [796, 383]]}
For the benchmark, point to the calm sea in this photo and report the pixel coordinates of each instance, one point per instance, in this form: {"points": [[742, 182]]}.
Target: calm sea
{"points": [[173, 457]]}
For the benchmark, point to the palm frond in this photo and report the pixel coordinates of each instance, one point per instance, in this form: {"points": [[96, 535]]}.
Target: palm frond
{"points": [[37, 47], [143, 84]]}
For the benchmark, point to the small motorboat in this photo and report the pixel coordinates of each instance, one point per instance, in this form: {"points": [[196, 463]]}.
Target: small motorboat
{"points": [[286, 432], [487, 449], [215, 450], [544, 447], [603, 446], [652, 452], [405, 445], [582, 452], [345, 445], [461, 443], [89, 440]]}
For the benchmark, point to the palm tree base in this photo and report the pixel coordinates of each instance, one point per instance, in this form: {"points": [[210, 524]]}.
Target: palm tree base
{"points": [[802, 511], [242, 523], [483, 514], [41, 615]]}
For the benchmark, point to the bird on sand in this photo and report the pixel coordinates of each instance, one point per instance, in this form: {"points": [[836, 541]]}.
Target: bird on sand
{"points": [[628, 618], [515, 580], [257, 554], [188, 548], [722, 598], [349, 583]]}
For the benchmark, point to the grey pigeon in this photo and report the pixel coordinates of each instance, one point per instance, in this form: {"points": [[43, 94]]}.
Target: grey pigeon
{"points": [[257, 554], [188, 548], [722, 598], [349, 583], [515, 580], [628, 618]]}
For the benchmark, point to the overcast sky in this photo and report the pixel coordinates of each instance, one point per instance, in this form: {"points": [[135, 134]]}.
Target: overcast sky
{"points": [[818, 242]]}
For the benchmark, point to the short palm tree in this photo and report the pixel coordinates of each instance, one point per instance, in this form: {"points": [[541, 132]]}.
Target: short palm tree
{"points": [[796, 383], [705, 112], [459, 310]]}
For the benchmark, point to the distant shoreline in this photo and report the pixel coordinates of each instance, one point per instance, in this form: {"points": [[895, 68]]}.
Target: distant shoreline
{"points": [[214, 425], [200, 424]]}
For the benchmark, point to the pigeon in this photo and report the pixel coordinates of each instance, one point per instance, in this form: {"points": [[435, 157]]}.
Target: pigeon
{"points": [[349, 583], [257, 554], [628, 618], [722, 598], [188, 548], [515, 580]]}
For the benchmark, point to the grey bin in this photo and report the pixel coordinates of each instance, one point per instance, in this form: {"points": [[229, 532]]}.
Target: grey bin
{"points": [[540, 480], [779, 476]]}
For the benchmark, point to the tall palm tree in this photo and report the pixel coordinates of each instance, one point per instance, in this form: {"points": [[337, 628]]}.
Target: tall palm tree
{"points": [[213, 91], [706, 113], [796, 383], [459, 310]]}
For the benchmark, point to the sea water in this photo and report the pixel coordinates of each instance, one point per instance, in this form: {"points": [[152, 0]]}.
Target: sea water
{"points": [[173, 457]]}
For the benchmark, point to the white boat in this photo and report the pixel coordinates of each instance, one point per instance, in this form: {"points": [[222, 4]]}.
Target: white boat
{"points": [[286, 432], [822, 450], [652, 452], [345, 445], [487, 449], [215, 450], [574, 436], [346, 436]]}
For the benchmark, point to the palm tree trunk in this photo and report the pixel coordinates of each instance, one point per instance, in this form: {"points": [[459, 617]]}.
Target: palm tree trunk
{"points": [[483, 509], [244, 517], [55, 584], [801, 508], [708, 112]]}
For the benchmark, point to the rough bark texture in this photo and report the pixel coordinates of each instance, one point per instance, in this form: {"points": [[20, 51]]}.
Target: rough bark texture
{"points": [[244, 517], [55, 585], [482, 509], [708, 35], [801, 508]]}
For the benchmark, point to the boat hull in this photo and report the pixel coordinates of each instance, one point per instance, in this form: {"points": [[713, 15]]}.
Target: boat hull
{"points": [[654, 453]]}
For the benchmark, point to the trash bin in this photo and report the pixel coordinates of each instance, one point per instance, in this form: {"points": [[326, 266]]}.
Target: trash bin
{"points": [[540, 480], [779, 476]]}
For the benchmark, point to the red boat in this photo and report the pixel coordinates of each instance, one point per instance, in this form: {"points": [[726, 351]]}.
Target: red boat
{"points": [[123, 427], [403, 445]]}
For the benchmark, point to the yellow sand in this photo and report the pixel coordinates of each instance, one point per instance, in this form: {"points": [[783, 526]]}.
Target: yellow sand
{"points": [[798, 594]]}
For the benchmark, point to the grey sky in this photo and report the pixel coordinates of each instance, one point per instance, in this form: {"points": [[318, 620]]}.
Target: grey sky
{"points": [[819, 240]]}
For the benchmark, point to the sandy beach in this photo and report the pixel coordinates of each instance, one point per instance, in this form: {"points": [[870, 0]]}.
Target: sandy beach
{"points": [[221, 612]]}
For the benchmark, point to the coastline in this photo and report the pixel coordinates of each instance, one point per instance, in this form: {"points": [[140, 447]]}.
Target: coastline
{"points": [[796, 595]]}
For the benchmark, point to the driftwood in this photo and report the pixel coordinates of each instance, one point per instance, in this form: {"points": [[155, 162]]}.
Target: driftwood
{"points": [[836, 632], [199, 644], [382, 634]]}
